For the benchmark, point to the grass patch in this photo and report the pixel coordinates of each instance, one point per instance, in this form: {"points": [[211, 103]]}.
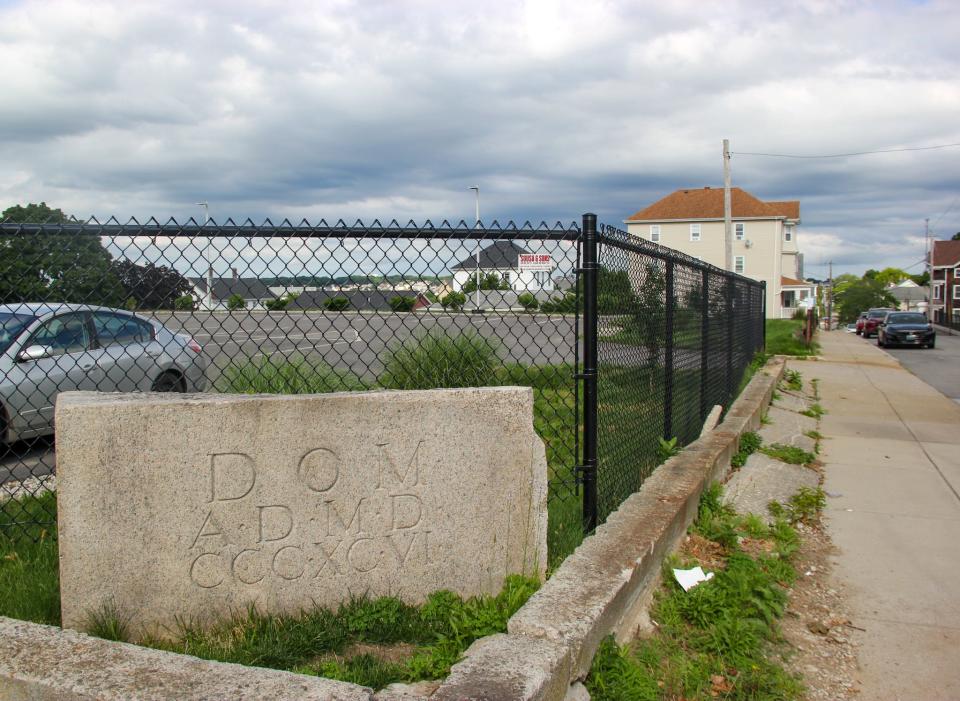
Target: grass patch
{"points": [[318, 642], [803, 507], [280, 374], [434, 359], [720, 639], [815, 411], [29, 564], [782, 339], [749, 444], [793, 380], [789, 454]]}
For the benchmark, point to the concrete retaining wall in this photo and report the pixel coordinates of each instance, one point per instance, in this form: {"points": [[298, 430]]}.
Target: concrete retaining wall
{"points": [[602, 589]]}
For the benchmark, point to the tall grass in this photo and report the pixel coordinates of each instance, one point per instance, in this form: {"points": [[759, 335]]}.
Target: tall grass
{"points": [[279, 374], [782, 339], [434, 360], [29, 564]]}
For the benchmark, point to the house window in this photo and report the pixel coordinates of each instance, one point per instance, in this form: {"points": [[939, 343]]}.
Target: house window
{"points": [[738, 264], [505, 277], [541, 278], [788, 233], [738, 231], [655, 233], [938, 291], [956, 291], [694, 232]]}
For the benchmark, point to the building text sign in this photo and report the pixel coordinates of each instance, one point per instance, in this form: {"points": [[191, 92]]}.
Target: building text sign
{"points": [[536, 262]]}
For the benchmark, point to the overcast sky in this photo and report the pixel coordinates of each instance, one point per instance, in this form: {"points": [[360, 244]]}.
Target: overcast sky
{"points": [[394, 109]]}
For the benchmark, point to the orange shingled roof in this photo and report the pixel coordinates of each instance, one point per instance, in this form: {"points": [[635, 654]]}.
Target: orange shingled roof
{"points": [[792, 282], [707, 203]]}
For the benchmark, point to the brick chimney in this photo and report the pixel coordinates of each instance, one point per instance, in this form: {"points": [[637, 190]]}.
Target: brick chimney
{"points": [[233, 272]]}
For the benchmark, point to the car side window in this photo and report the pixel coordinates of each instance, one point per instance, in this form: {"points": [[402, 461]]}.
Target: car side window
{"points": [[62, 334], [119, 330]]}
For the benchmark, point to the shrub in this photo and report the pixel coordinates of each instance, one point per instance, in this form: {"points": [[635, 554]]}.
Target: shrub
{"points": [[528, 301], [235, 302], [280, 303], [336, 304], [434, 360], [402, 304], [564, 305], [184, 303], [454, 301]]}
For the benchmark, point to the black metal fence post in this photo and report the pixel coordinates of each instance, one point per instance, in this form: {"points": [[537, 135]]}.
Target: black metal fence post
{"points": [[704, 344], [763, 318], [590, 319], [668, 357], [731, 291]]}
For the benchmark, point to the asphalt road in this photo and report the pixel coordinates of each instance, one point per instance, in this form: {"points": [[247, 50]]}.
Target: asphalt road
{"points": [[938, 366]]}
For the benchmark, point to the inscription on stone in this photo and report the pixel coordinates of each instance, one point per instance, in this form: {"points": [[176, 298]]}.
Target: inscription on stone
{"points": [[284, 502]]}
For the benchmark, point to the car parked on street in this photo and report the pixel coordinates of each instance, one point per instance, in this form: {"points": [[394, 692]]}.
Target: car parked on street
{"points": [[872, 321], [46, 349], [860, 321], [906, 329]]}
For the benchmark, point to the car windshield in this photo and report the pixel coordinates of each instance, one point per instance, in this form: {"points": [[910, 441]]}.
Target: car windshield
{"points": [[906, 319], [11, 325], [879, 314]]}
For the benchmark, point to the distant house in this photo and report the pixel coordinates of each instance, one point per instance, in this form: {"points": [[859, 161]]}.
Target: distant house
{"points": [[945, 281], [358, 300], [254, 293], [910, 296], [502, 258], [764, 233]]}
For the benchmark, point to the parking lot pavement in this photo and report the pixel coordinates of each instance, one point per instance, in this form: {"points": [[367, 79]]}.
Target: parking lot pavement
{"points": [[355, 341], [939, 367]]}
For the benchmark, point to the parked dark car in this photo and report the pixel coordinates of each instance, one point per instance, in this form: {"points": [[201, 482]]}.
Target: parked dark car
{"points": [[860, 321], [872, 322], [906, 329]]}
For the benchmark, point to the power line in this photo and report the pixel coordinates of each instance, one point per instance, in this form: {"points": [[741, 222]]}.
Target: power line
{"points": [[942, 214], [845, 155]]}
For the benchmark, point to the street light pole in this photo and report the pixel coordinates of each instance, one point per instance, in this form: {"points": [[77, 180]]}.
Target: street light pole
{"points": [[206, 219], [476, 189]]}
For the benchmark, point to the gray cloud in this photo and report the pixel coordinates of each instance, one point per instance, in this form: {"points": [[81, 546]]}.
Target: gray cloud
{"points": [[393, 109]]}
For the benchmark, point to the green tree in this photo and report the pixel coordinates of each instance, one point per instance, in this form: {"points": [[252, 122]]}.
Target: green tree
{"points": [[860, 296], [45, 267], [402, 304], [528, 301], [150, 286], [488, 281], [336, 304], [956, 237], [891, 276], [185, 303], [923, 279], [454, 301]]}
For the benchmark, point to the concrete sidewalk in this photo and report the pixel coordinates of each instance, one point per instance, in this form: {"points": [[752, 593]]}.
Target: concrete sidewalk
{"points": [[892, 453]]}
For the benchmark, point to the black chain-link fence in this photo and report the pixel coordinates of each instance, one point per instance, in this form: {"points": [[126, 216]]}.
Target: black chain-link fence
{"points": [[318, 308], [674, 338]]}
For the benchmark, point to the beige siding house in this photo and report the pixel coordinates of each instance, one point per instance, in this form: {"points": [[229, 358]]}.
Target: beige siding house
{"points": [[765, 239]]}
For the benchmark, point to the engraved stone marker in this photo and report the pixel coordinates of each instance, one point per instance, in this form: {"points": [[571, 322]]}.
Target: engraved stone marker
{"points": [[187, 507]]}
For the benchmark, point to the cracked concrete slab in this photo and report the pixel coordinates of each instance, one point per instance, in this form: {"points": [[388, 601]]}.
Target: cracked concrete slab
{"points": [[788, 428], [764, 479]]}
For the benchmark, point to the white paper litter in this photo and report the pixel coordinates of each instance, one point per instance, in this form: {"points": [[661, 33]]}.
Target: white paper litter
{"points": [[688, 579]]}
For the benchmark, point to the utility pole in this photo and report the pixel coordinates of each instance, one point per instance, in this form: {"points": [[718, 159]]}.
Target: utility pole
{"points": [[926, 246], [727, 210], [476, 189], [830, 296]]}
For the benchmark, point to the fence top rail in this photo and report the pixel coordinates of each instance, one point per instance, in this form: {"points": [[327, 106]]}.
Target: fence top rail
{"points": [[610, 235], [304, 229]]}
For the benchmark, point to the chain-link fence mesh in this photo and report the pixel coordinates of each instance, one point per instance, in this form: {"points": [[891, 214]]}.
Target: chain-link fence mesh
{"points": [[281, 309], [286, 308], [675, 336]]}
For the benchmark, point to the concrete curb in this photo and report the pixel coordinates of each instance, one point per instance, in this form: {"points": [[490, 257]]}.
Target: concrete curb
{"points": [[45, 663], [604, 587]]}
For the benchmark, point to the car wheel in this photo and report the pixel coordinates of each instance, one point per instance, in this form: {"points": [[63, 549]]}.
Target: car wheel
{"points": [[169, 382], [859, 332]]}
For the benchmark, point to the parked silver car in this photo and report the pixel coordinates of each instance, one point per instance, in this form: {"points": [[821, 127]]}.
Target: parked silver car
{"points": [[46, 349]]}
